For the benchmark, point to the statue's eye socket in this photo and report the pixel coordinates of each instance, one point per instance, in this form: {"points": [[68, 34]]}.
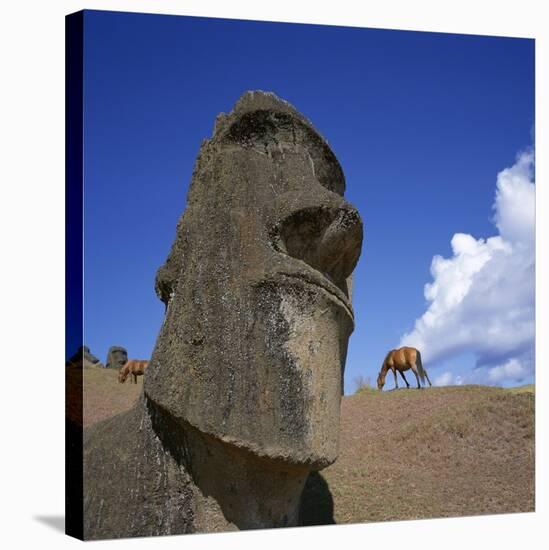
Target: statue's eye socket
{"points": [[327, 239]]}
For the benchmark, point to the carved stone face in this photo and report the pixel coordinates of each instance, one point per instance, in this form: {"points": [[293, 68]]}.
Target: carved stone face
{"points": [[117, 357], [257, 288]]}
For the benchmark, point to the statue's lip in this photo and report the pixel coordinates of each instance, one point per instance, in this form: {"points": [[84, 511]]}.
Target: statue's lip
{"points": [[319, 280]]}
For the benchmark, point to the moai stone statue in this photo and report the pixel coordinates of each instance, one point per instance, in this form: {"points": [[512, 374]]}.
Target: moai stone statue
{"points": [[84, 358], [116, 357], [242, 395]]}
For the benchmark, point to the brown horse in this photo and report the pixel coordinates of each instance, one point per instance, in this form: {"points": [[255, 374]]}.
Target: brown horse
{"points": [[133, 367], [400, 360]]}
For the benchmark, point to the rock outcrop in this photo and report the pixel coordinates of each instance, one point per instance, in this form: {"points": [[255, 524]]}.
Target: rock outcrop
{"points": [[242, 395]]}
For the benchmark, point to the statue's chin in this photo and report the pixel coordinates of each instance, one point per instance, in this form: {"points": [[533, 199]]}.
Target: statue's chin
{"points": [[305, 456]]}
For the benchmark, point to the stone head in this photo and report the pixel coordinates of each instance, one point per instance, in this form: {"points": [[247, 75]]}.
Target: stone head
{"points": [[117, 357], [257, 288]]}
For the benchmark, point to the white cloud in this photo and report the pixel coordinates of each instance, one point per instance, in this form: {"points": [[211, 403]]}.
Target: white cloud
{"points": [[515, 201], [481, 299], [445, 379], [513, 369]]}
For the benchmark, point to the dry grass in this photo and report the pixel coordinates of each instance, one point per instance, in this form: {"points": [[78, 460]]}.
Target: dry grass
{"points": [[103, 395], [407, 454], [437, 452], [528, 388], [362, 384]]}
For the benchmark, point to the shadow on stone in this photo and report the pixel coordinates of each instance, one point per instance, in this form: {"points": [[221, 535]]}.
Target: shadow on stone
{"points": [[55, 522], [317, 504]]}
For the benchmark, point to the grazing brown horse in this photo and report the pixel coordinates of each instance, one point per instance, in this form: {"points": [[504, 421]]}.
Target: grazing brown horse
{"points": [[133, 367], [400, 360]]}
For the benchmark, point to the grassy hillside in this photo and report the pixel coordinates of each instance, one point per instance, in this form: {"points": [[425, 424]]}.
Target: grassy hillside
{"points": [[104, 396], [437, 452], [405, 454]]}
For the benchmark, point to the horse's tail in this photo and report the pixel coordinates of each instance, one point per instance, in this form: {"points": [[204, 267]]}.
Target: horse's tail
{"points": [[419, 365]]}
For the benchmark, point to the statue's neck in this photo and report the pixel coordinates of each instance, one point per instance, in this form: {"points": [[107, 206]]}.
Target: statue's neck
{"points": [[250, 493], [232, 485]]}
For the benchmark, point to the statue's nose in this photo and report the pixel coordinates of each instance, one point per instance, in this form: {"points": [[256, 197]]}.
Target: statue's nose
{"points": [[328, 239], [338, 248]]}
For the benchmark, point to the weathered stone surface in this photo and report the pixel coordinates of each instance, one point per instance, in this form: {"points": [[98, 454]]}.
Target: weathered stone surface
{"points": [[242, 395], [116, 357]]}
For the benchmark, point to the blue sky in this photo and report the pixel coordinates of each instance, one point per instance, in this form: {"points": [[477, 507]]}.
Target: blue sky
{"points": [[422, 124]]}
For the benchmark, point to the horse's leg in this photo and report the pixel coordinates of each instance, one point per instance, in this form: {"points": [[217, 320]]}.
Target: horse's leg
{"points": [[396, 379], [427, 378], [414, 370], [404, 377]]}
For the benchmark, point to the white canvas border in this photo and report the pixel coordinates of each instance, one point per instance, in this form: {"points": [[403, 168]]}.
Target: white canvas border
{"points": [[32, 277]]}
